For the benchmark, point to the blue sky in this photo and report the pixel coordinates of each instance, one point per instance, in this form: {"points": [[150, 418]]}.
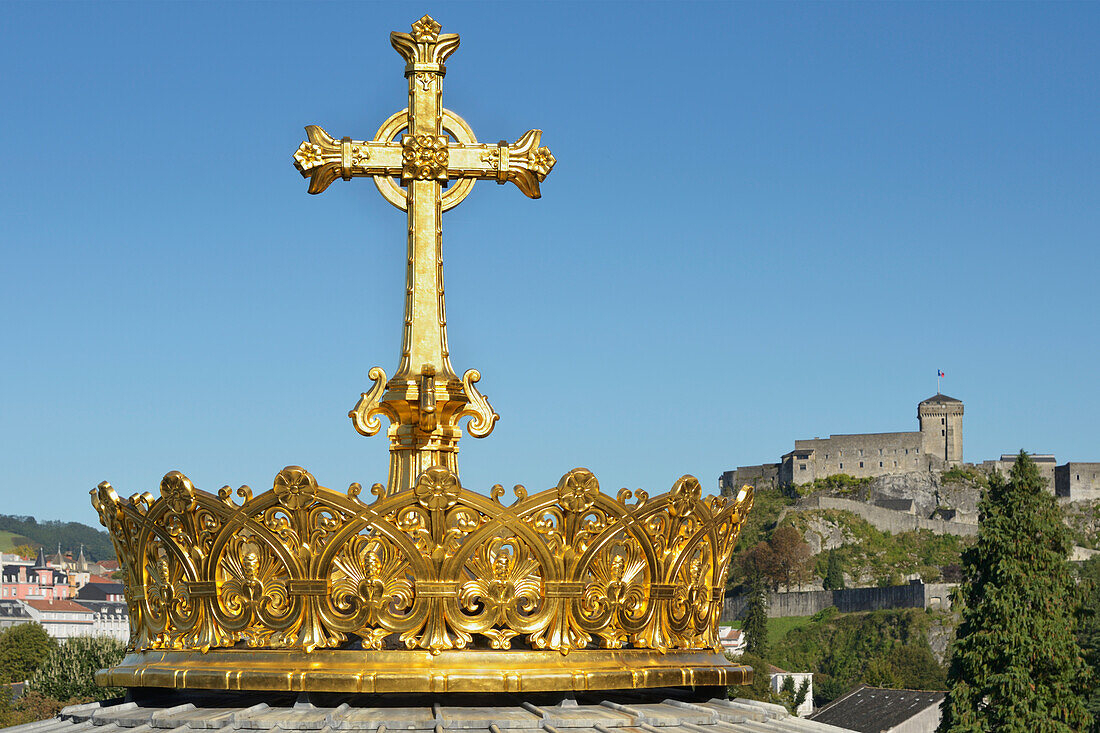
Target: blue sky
{"points": [[767, 222]]}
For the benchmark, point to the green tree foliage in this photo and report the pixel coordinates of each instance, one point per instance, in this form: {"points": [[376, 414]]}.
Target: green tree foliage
{"points": [[23, 649], [881, 556], [25, 550], [834, 573], [755, 627], [31, 707], [760, 689], [1088, 633], [885, 648], [1016, 664], [69, 671], [766, 506], [782, 559], [838, 483]]}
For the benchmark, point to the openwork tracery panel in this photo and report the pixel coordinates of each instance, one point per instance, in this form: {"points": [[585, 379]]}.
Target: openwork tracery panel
{"points": [[436, 568]]}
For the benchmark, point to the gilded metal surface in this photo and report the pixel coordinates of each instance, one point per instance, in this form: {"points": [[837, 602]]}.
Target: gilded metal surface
{"points": [[399, 671], [564, 572], [427, 148], [428, 586]]}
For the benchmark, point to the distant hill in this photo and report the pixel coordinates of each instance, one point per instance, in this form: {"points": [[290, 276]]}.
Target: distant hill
{"points": [[47, 534], [9, 541]]}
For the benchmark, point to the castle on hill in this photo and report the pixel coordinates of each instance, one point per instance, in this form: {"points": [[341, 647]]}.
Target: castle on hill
{"points": [[936, 445]]}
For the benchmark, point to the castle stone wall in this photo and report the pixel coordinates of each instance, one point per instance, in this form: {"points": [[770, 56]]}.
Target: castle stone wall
{"points": [[763, 476], [1078, 481], [885, 520], [862, 455], [1045, 464]]}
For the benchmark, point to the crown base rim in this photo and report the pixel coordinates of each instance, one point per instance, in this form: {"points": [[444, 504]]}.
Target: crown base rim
{"points": [[358, 672]]}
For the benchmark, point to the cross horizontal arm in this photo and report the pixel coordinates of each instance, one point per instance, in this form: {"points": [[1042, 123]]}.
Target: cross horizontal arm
{"points": [[323, 159], [524, 162]]}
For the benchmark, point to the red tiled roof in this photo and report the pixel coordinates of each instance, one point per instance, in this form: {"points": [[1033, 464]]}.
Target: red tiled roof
{"points": [[62, 605], [100, 579]]}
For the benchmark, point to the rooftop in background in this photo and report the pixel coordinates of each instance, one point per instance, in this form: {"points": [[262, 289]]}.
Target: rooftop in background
{"points": [[876, 710], [57, 605], [939, 397]]}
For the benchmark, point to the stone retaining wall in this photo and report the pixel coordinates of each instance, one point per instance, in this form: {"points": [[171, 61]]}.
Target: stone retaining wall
{"points": [[849, 600]]}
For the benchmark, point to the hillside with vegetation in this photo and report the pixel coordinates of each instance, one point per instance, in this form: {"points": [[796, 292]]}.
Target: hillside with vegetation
{"points": [[878, 648], [864, 555], [869, 556], [70, 536]]}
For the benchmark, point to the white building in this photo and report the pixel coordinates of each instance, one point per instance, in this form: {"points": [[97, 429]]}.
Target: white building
{"points": [[109, 618], [63, 619], [779, 678]]}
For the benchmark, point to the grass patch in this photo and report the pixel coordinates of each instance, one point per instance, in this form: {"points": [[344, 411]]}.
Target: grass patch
{"points": [[780, 627], [10, 540], [766, 506]]}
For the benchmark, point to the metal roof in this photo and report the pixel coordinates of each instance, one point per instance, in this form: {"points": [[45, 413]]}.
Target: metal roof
{"points": [[874, 709], [670, 710]]}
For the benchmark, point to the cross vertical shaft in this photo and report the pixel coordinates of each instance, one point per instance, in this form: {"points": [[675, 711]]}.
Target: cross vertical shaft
{"points": [[425, 399]]}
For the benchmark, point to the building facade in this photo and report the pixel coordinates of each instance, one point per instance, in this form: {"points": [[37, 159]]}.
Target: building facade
{"points": [[38, 580], [63, 619], [1077, 481], [937, 444]]}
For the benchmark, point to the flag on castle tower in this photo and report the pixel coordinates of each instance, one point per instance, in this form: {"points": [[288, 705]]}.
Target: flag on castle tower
{"points": [[939, 373]]}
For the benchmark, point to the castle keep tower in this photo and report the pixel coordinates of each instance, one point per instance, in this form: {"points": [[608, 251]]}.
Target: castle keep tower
{"points": [[941, 428]]}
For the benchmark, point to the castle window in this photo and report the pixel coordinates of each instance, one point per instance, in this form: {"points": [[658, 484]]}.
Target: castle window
{"points": [[943, 432], [861, 464], [918, 450], [943, 421], [826, 456], [801, 466], [906, 451], [842, 465], [880, 464], [895, 464], [861, 453]]}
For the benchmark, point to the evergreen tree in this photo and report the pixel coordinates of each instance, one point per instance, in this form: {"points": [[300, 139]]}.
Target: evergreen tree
{"points": [[756, 619], [834, 574], [1088, 635], [1016, 665]]}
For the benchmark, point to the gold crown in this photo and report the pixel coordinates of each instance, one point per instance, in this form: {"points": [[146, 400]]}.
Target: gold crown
{"points": [[429, 587], [566, 588]]}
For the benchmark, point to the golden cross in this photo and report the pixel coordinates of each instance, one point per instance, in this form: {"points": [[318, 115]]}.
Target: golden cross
{"points": [[427, 147]]}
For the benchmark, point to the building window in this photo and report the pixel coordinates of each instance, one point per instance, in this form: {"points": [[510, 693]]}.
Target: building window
{"points": [[826, 456], [842, 465], [861, 464], [861, 453], [918, 450], [906, 451], [895, 464], [880, 464], [801, 466], [943, 432]]}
